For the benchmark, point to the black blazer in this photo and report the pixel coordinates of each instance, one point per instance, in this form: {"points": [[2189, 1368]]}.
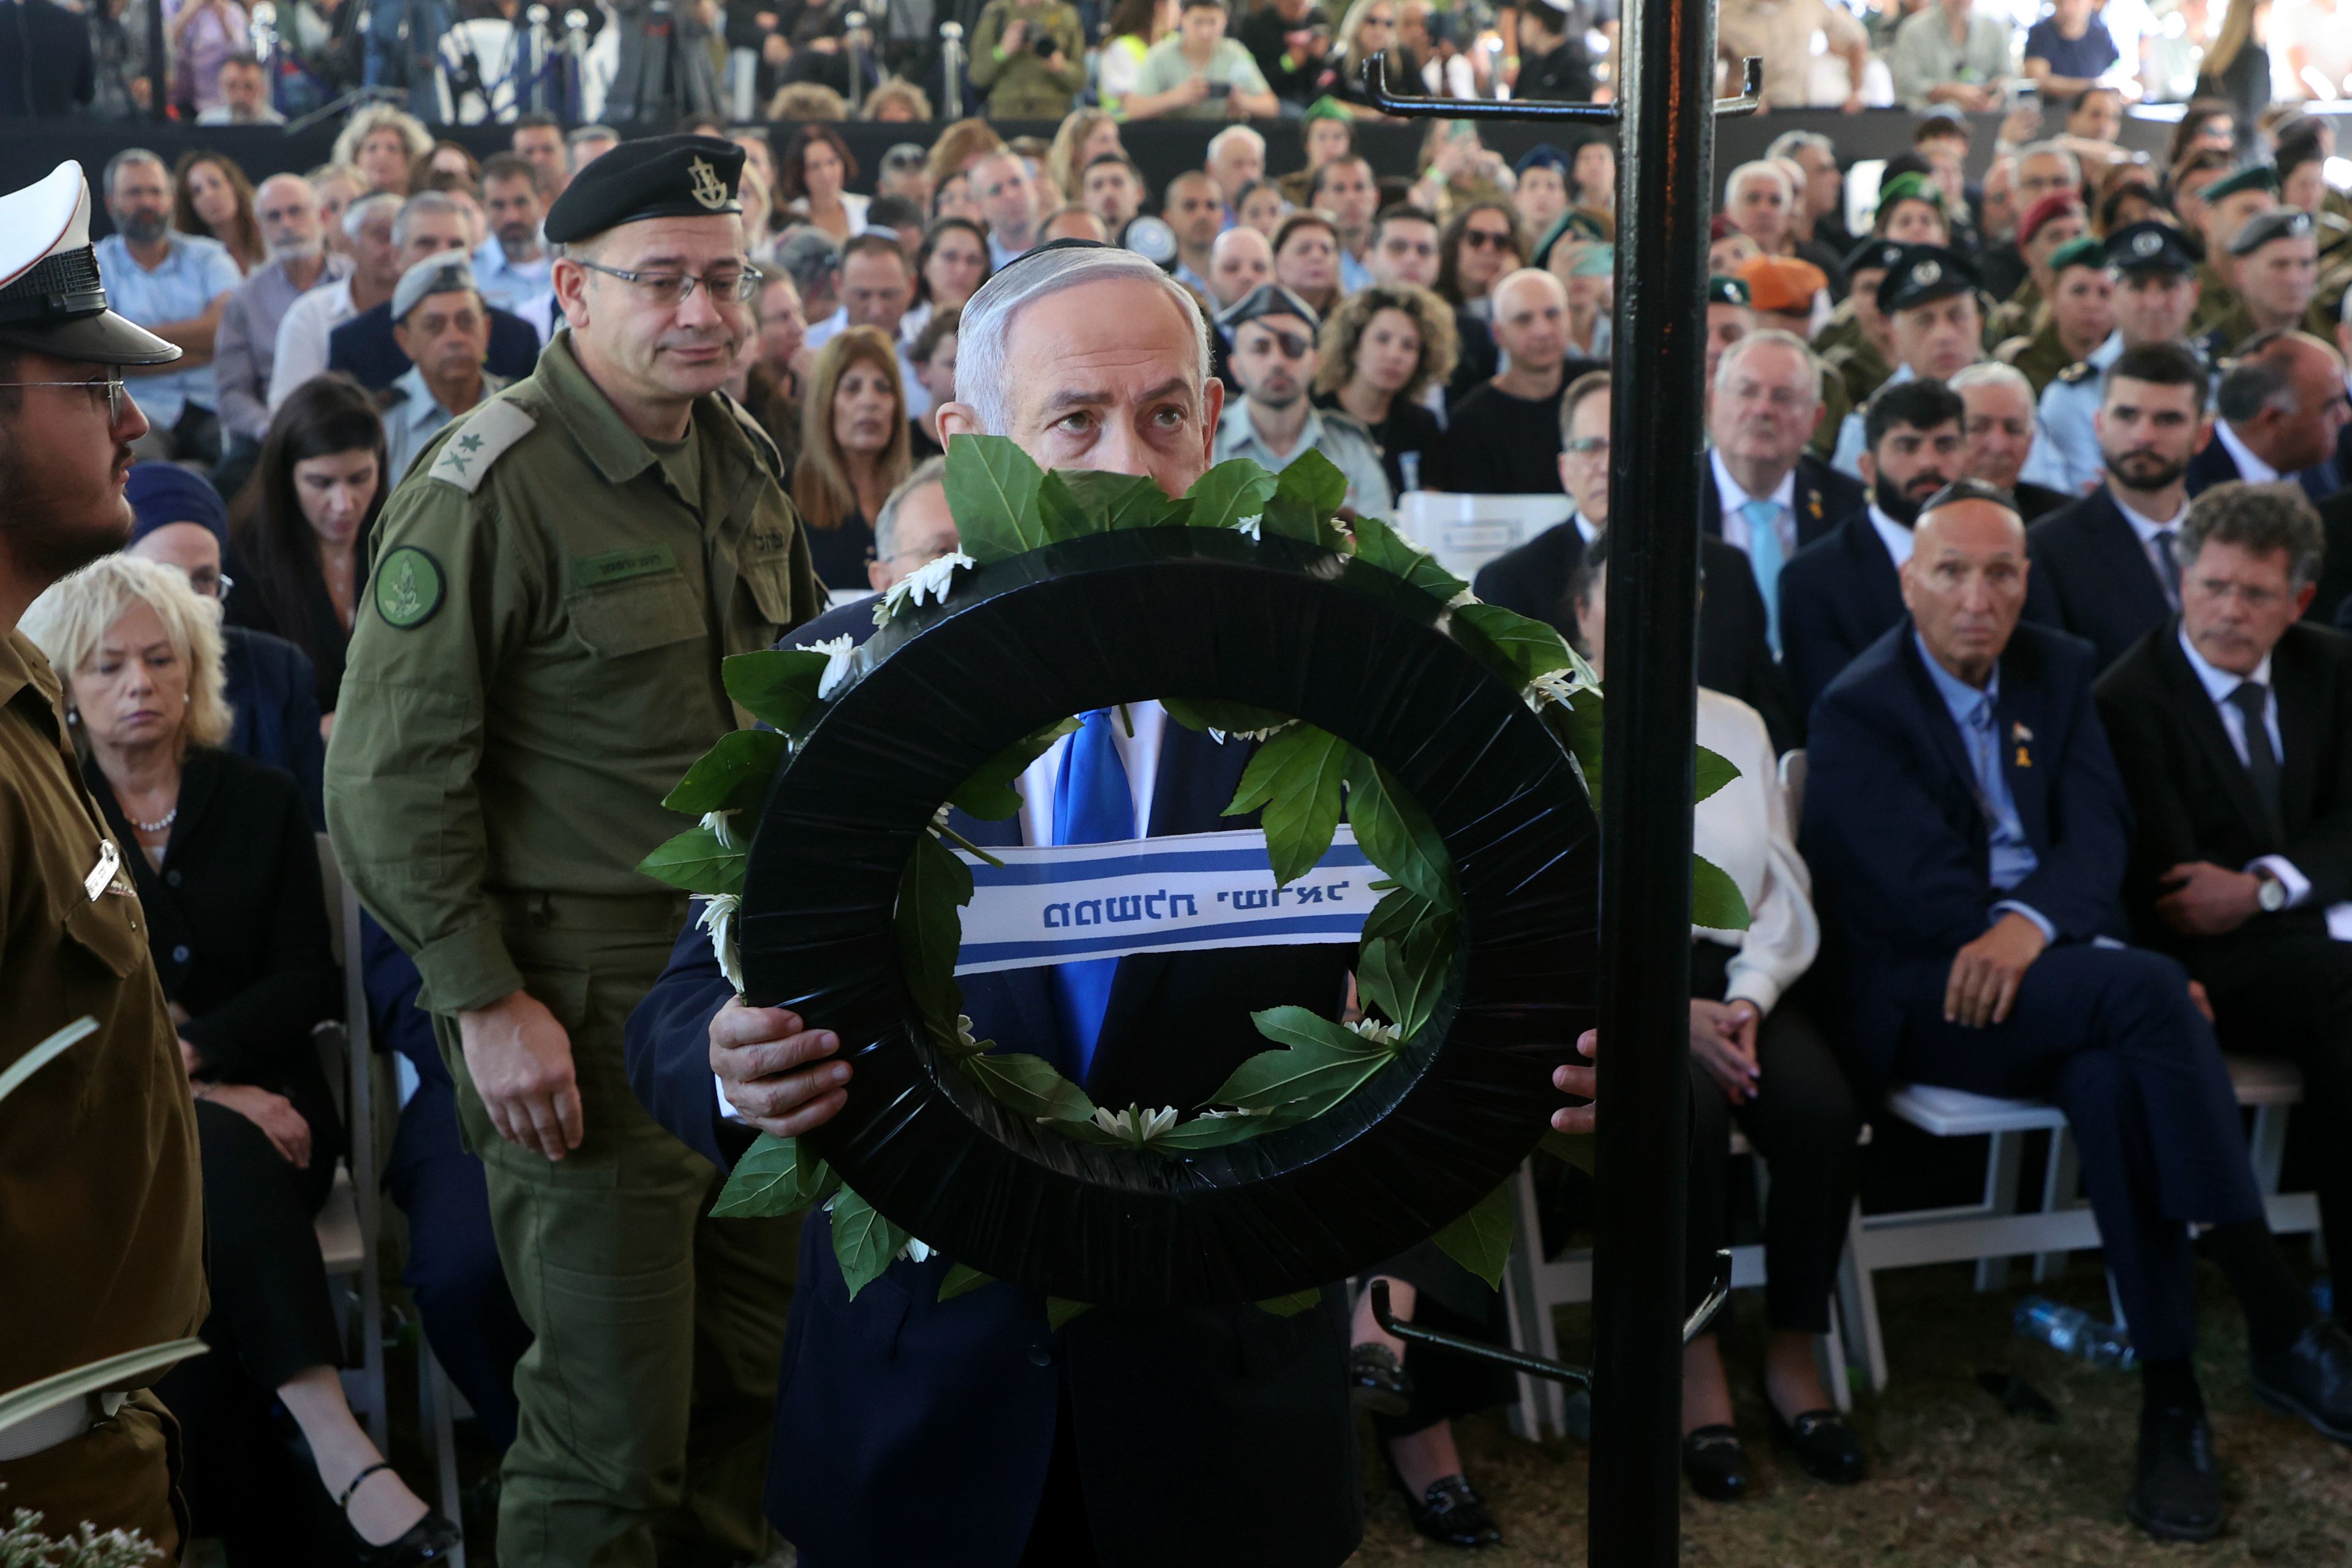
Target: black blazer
{"points": [[2335, 567], [2191, 792], [237, 922], [364, 348], [2035, 502], [44, 51], [2099, 580], [2214, 465], [1734, 657], [1824, 497]]}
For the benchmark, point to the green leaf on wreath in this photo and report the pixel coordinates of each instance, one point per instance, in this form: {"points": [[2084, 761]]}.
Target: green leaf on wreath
{"points": [[1315, 480], [1113, 502], [1213, 1131], [992, 489], [1304, 1026], [695, 860], [1573, 1148], [1481, 1240], [989, 794], [774, 1177], [1028, 1086], [775, 686], [1380, 544], [963, 1277], [1394, 833], [934, 885], [1322, 1068], [1202, 714], [1402, 976], [1290, 1306], [1401, 913], [1058, 1312], [1296, 778], [1713, 771], [1230, 494], [733, 775], [1532, 646], [1291, 517], [1577, 722], [1715, 900], [863, 1243]]}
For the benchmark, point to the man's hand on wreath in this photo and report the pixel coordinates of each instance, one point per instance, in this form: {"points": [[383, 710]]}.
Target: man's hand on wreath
{"points": [[1578, 1081], [773, 1068]]}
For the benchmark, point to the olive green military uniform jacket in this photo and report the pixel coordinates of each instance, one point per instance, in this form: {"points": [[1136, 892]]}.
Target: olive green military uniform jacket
{"points": [[537, 662], [1019, 86], [2215, 299], [2019, 316], [1842, 329], [1835, 405], [2230, 332], [2039, 358], [1862, 367], [101, 1205]]}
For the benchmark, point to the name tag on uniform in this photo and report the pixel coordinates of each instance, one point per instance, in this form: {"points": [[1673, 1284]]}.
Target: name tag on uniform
{"points": [[620, 565], [101, 875]]}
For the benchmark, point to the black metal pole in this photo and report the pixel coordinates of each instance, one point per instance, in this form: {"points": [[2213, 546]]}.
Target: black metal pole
{"points": [[1665, 179], [158, 74]]}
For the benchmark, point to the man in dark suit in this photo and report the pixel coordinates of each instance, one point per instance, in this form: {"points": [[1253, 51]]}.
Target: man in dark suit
{"points": [[429, 223], [1764, 492], [2233, 729], [910, 1430], [1733, 654], [1967, 832], [45, 69], [2333, 592], [2106, 562], [2282, 404]]}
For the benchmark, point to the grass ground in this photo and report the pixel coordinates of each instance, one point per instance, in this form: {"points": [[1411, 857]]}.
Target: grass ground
{"points": [[1956, 1482]]}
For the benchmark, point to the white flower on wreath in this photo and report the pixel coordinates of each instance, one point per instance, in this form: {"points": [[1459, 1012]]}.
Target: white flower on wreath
{"points": [[1562, 685], [927, 582], [719, 914], [721, 828], [1269, 733], [1136, 1125], [914, 1249], [838, 651], [1387, 1036]]}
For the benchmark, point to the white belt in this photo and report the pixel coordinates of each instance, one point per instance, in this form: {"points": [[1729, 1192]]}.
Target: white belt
{"points": [[58, 1423]]}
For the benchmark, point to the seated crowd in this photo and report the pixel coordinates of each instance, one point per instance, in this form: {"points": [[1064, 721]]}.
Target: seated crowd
{"points": [[2026, 514]]}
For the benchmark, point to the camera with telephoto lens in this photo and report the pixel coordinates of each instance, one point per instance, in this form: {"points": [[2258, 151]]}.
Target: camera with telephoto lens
{"points": [[1046, 44]]}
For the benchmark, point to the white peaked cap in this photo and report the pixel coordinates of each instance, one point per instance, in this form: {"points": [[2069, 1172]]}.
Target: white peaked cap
{"points": [[52, 299]]}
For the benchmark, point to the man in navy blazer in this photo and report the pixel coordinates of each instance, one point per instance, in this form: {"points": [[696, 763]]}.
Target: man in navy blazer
{"points": [[2282, 404], [2106, 562], [1967, 832], [910, 1430]]}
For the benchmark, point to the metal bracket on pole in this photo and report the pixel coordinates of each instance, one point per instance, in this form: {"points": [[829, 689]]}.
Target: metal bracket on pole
{"points": [[1376, 88], [1519, 1361]]}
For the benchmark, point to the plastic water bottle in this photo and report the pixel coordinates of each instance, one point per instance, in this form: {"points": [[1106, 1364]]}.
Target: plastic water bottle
{"points": [[2070, 1330]]}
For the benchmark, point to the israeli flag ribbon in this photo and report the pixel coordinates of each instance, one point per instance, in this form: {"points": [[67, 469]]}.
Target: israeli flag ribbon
{"points": [[1181, 893]]}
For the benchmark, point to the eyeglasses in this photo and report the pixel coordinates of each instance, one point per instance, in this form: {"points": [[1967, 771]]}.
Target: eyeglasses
{"points": [[1486, 239], [674, 289], [115, 391], [210, 584], [1588, 446]]}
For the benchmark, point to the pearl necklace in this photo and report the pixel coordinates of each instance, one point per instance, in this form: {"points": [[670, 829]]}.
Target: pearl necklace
{"points": [[162, 824]]}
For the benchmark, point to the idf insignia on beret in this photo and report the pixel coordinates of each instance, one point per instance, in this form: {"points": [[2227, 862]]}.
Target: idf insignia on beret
{"points": [[1873, 254], [2152, 247], [1923, 274], [1721, 290], [2254, 177], [661, 176], [2279, 223]]}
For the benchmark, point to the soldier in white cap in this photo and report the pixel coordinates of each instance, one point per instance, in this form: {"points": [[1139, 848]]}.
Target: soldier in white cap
{"points": [[101, 1227]]}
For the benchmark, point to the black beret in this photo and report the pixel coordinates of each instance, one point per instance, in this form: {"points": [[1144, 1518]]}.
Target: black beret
{"points": [[1874, 254], [2279, 223], [661, 176], [1269, 299], [2153, 246], [1925, 273]]}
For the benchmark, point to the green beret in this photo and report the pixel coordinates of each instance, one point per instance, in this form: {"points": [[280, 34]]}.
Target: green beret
{"points": [[2087, 251], [1723, 291], [1911, 187], [1327, 107], [2254, 177]]}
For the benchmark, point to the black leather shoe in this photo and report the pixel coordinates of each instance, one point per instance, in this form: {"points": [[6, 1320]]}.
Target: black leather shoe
{"points": [[1827, 1448], [1716, 1463], [1451, 1511], [2311, 1379], [1380, 1384], [2175, 1491]]}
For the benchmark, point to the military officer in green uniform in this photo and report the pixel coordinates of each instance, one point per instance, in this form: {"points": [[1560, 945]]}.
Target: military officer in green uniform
{"points": [[2229, 205], [1855, 341], [2274, 261], [535, 663], [2080, 316]]}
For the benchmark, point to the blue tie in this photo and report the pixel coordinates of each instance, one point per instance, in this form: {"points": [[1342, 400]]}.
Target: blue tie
{"points": [[1764, 551], [1092, 805]]}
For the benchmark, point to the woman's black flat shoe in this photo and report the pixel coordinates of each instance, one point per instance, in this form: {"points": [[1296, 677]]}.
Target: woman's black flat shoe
{"points": [[1827, 1448], [430, 1540], [1379, 1382], [1451, 1510], [1716, 1464]]}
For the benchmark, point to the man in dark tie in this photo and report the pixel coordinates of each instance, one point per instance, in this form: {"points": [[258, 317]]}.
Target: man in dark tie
{"points": [[2280, 405], [2232, 726], [2105, 562], [1967, 832], [912, 1430]]}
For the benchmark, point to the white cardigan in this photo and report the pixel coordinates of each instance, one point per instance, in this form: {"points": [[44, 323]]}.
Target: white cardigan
{"points": [[1744, 827]]}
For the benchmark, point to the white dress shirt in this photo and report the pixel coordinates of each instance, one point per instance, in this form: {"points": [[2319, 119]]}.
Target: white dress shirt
{"points": [[302, 337], [1735, 521], [2148, 528], [2219, 684], [2251, 469], [1897, 539]]}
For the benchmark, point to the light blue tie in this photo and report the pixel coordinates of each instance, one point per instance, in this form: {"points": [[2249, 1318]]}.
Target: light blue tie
{"points": [[1092, 805], [1764, 552]]}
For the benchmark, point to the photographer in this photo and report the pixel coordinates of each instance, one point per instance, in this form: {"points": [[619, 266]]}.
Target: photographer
{"points": [[1030, 57]]}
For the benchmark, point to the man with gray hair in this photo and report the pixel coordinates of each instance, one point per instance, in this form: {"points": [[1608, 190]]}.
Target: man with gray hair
{"points": [[1997, 436], [175, 285], [2233, 728], [912, 1430], [1235, 161], [441, 322], [2280, 406], [430, 224], [1008, 201], [246, 347], [914, 527], [373, 273]]}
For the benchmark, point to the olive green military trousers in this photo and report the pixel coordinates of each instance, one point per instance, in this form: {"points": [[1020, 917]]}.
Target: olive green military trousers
{"points": [[647, 1396]]}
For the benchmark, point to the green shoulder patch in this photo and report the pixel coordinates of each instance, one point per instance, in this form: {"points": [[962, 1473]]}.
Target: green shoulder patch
{"points": [[408, 587], [480, 440], [2080, 371]]}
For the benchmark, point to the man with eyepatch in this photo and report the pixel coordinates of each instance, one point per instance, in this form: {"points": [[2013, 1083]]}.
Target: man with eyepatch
{"points": [[1273, 333]]}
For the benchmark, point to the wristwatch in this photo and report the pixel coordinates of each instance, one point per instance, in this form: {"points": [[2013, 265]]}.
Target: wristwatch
{"points": [[2269, 893]]}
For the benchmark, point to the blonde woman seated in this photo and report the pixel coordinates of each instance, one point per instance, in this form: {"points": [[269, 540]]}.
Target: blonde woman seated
{"points": [[221, 852], [1757, 1059]]}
